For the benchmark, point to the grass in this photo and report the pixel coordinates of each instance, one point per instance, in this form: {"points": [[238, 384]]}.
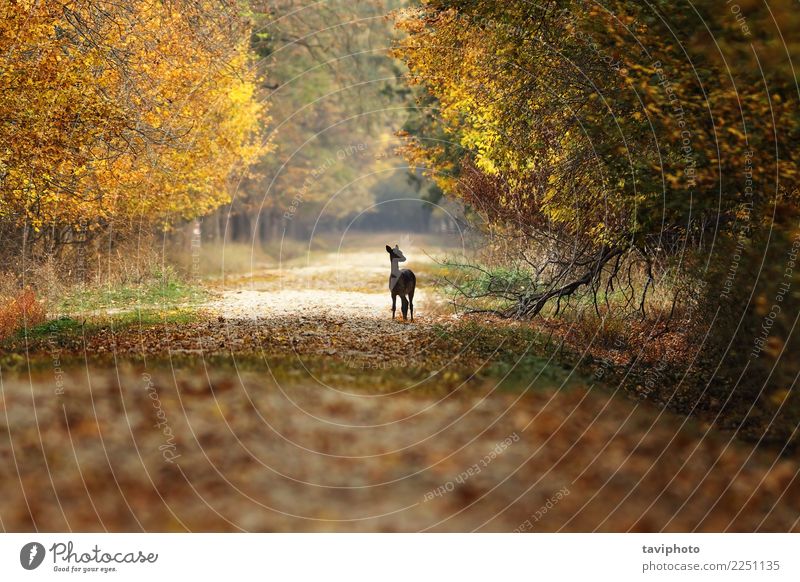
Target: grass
{"points": [[164, 291], [157, 296], [160, 300], [68, 333], [515, 354], [66, 327], [492, 341]]}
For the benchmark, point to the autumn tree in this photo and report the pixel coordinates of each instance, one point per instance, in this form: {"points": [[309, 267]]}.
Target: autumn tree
{"points": [[598, 133], [619, 142], [118, 112]]}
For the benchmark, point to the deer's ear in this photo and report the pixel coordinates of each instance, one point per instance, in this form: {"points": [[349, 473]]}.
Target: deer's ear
{"points": [[388, 249]]}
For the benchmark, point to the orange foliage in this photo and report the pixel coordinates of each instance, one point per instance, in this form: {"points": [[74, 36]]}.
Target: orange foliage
{"points": [[22, 311]]}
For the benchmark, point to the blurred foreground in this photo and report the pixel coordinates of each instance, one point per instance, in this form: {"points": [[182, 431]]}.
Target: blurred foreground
{"points": [[293, 403]]}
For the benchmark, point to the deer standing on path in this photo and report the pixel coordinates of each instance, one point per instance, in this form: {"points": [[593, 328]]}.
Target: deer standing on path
{"points": [[401, 283]]}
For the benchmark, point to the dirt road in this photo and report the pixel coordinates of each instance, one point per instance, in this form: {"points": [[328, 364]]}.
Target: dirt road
{"points": [[295, 404]]}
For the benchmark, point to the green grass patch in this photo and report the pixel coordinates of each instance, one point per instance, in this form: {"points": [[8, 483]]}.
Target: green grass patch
{"points": [[492, 341], [145, 318], [61, 331], [62, 327], [515, 354], [534, 371], [163, 290]]}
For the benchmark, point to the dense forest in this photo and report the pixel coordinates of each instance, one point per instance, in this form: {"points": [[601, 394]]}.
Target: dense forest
{"points": [[638, 155], [115, 113], [145, 115]]}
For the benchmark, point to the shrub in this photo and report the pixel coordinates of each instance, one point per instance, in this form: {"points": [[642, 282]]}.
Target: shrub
{"points": [[22, 311]]}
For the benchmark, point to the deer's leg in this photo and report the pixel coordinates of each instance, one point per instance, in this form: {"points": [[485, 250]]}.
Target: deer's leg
{"points": [[411, 304], [394, 304], [404, 306]]}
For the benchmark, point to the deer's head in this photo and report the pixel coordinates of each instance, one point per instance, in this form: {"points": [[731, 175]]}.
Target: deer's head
{"points": [[395, 253]]}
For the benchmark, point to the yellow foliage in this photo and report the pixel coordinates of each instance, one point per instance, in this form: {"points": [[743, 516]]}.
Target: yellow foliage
{"points": [[571, 121], [139, 110]]}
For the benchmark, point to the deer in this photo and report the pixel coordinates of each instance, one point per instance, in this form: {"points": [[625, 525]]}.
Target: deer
{"points": [[401, 282]]}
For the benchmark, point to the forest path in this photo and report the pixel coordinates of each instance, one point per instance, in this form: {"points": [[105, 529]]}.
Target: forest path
{"points": [[296, 404], [338, 284]]}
